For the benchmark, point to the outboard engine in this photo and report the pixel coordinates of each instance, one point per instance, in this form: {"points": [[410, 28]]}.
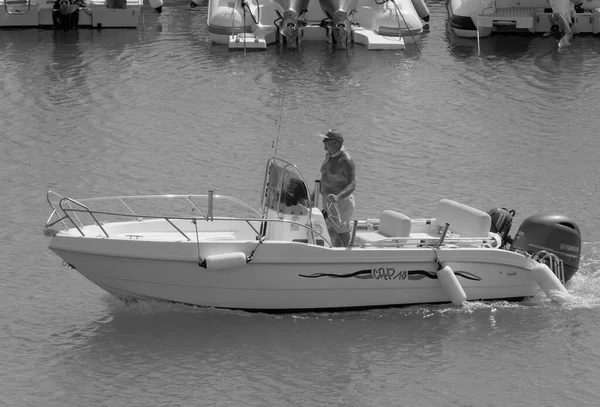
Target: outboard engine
{"points": [[560, 29], [340, 11], [65, 14], [555, 234], [501, 223], [290, 11]]}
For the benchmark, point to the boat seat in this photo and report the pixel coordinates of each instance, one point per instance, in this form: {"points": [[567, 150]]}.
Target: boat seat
{"points": [[391, 224], [464, 220]]}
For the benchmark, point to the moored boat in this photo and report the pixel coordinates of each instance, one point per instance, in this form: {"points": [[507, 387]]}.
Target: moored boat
{"points": [[255, 24], [191, 249], [70, 14], [559, 19]]}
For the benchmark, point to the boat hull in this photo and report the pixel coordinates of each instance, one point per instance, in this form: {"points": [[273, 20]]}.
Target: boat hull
{"points": [[293, 276], [96, 13], [375, 25], [282, 257], [462, 15], [476, 18]]}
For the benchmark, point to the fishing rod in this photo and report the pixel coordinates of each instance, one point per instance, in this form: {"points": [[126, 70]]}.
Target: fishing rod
{"points": [[281, 104]]}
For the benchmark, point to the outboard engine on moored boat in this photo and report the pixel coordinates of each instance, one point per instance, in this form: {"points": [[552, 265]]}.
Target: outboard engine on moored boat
{"points": [[560, 29], [65, 14], [561, 21], [289, 11], [339, 11], [555, 234]]}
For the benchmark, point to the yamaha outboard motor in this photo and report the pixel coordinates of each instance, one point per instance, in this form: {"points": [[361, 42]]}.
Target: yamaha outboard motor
{"points": [[340, 11], [501, 223], [555, 234]]}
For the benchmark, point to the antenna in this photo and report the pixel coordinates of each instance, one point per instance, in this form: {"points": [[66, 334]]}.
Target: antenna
{"points": [[281, 103]]}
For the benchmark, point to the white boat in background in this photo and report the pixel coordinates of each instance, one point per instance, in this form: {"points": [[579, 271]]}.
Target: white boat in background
{"points": [[71, 14], [254, 24], [558, 18], [190, 249]]}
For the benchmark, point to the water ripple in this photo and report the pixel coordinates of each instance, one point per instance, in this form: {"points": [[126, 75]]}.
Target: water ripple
{"points": [[161, 110]]}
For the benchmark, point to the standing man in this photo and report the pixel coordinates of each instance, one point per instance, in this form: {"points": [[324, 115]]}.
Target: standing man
{"points": [[337, 185]]}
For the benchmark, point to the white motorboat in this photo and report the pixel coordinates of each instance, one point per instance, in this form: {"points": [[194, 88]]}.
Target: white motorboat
{"points": [[254, 24], [557, 18], [190, 249], [71, 14]]}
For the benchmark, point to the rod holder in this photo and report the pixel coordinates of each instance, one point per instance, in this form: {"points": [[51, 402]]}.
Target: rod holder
{"points": [[441, 241], [209, 214], [317, 194]]}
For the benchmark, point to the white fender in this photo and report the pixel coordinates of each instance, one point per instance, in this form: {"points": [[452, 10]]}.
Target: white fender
{"points": [[421, 9], [547, 280], [588, 4], [48, 232], [156, 5], [224, 261], [452, 286], [390, 21]]}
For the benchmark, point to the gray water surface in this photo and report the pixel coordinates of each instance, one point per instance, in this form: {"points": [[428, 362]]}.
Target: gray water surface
{"points": [[161, 110]]}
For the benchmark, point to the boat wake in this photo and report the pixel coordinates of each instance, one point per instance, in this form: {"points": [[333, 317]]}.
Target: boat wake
{"points": [[155, 307]]}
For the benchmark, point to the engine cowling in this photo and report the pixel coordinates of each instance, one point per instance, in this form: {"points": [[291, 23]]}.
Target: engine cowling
{"points": [[556, 234]]}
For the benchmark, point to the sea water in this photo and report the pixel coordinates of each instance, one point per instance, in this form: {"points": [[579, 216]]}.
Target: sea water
{"points": [[161, 110]]}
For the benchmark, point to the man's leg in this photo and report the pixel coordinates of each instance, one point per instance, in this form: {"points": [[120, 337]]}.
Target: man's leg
{"points": [[346, 209], [344, 239], [334, 236]]}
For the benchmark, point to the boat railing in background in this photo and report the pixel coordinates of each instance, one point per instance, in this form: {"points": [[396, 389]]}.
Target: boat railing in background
{"points": [[11, 6]]}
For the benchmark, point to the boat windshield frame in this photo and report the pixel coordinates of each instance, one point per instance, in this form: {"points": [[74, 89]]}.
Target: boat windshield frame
{"points": [[288, 184]]}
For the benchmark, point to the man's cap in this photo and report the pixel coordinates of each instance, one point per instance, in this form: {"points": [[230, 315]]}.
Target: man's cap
{"points": [[332, 135]]}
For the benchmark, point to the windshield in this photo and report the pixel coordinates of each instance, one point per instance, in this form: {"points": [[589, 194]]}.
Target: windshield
{"points": [[285, 190]]}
